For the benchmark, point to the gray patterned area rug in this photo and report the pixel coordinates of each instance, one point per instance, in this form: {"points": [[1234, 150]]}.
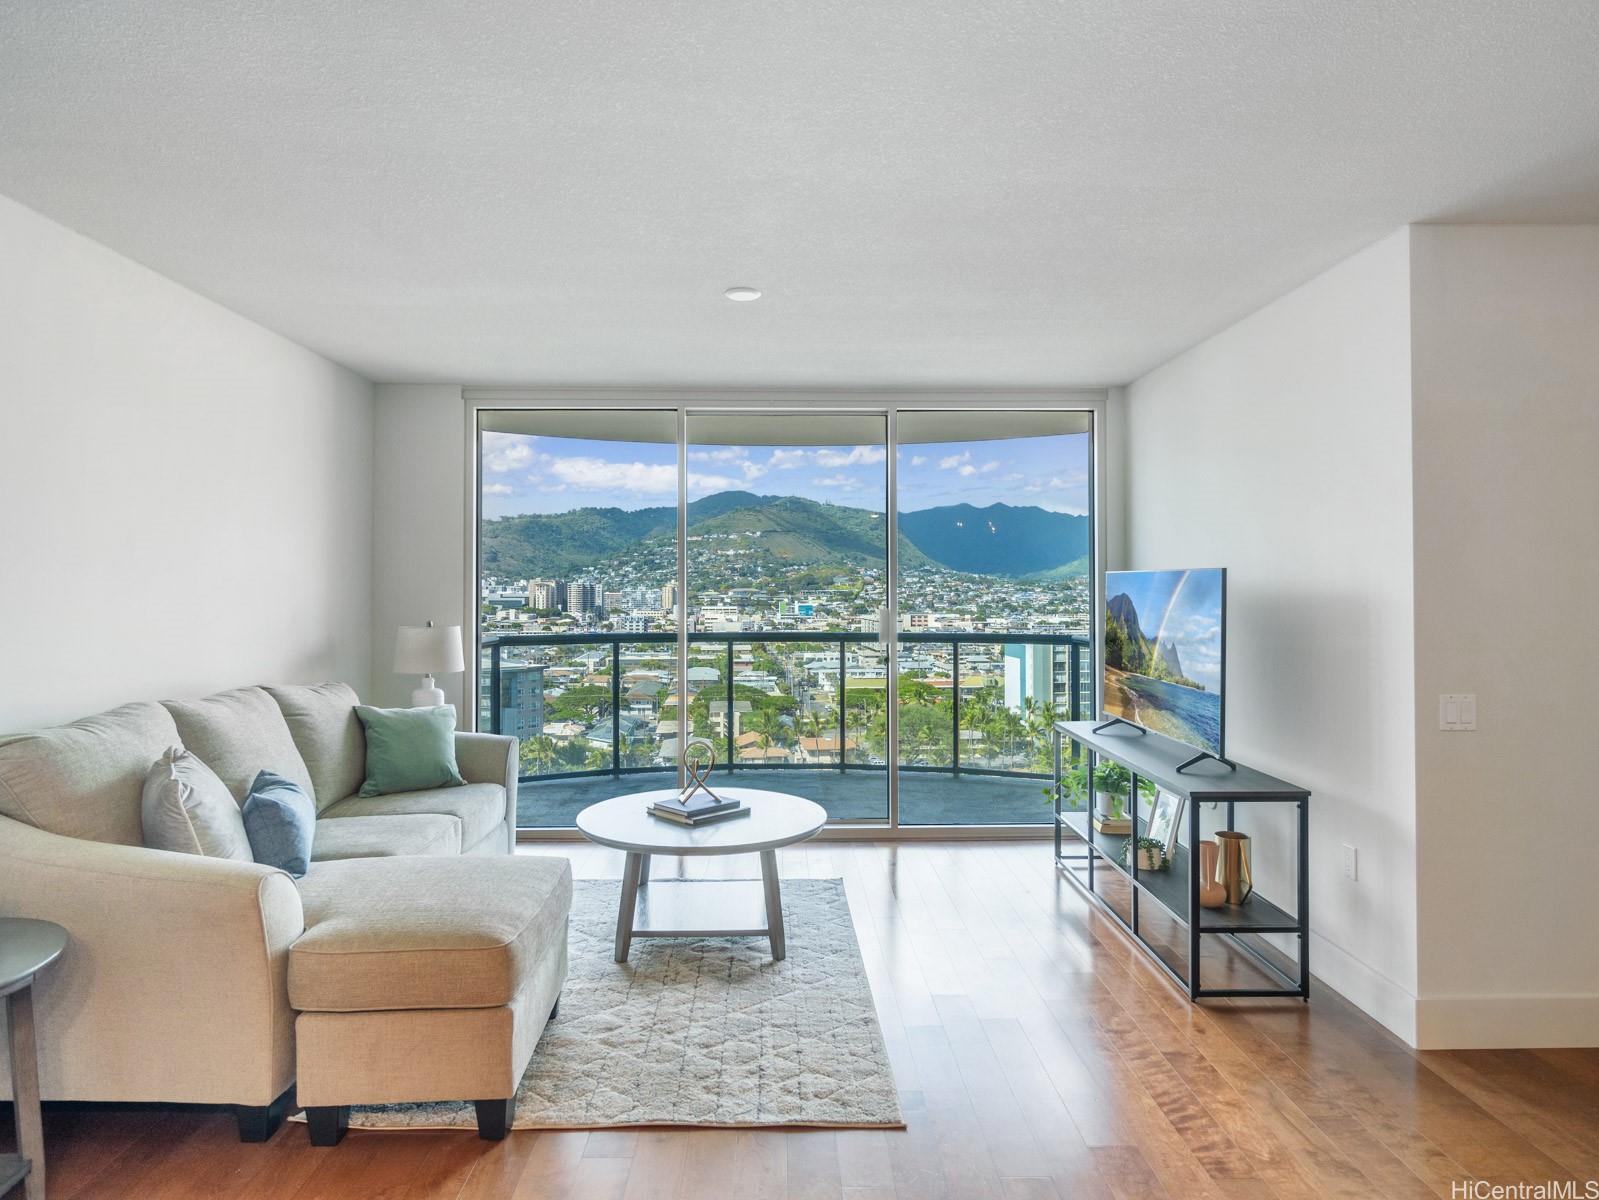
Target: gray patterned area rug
{"points": [[704, 1032]]}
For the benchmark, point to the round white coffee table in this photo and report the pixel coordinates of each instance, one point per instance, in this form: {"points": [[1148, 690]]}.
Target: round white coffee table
{"points": [[701, 907]]}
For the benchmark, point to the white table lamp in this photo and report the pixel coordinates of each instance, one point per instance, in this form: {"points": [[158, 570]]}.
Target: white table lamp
{"points": [[428, 650]]}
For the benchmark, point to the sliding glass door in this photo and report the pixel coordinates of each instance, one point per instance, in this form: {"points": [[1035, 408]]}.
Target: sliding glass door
{"points": [[577, 555], [787, 571], [650, 575], [995, 601]]}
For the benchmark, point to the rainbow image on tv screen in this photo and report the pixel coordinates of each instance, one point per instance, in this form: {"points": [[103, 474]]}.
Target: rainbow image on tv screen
{"points": [[1164, 650]]}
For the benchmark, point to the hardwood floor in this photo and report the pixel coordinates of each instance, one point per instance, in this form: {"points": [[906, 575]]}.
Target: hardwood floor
{"points": [[1039, 1057]]}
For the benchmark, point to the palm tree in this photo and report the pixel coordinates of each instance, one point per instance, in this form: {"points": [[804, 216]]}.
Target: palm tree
{"points": [[813, 722], [538, 754], [763, 722], [1040, 721]]}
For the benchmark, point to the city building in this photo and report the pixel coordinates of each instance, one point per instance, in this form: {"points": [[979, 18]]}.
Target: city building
{"points": [[582, 598], [547, 595], [521, 700], [1036, 673]]}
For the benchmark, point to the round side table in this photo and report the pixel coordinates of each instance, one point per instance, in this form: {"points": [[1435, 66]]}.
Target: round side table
{"points": [[26, 948]]}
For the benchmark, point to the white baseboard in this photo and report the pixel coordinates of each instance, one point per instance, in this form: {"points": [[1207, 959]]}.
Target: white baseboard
{"points": [[1373, 993], [1503, 1022]]}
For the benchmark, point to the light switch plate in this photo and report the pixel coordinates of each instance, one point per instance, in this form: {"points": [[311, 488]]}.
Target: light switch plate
{"points": [[1457, 712], [1351, 863]]}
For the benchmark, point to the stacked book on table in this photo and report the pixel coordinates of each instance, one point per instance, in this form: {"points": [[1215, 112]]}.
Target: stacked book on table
{"points": [[697, 808]]}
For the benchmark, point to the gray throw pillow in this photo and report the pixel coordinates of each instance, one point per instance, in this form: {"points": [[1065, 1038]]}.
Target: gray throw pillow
{"points": [[187, 809], [280, 819]]}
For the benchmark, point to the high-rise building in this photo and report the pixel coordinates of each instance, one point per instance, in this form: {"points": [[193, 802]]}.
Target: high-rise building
{"points": [[1036, 672], [582, 597], [521, 700], [669, 598], [612, 601], [546, 594]]}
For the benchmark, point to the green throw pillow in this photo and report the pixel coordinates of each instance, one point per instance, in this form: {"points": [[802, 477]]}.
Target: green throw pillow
{"points": [[408, 749]]}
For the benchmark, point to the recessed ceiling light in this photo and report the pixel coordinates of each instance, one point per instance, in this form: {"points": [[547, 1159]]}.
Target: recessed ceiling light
{"points": [[742, 293]]}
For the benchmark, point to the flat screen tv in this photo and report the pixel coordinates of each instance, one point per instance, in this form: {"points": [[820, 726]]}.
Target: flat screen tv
{"points": [[1165, 652]]}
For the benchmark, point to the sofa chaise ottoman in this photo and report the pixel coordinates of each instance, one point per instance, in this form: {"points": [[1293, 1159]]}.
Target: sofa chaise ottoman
{"points": [[424, 979]]}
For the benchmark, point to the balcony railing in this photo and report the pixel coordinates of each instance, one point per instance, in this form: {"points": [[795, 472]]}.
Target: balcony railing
{"points": [[1067, 693]]}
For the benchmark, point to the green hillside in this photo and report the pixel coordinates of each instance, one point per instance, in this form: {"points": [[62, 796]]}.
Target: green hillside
{"points": [[792, 529], [1028, 543], [559, 545]]}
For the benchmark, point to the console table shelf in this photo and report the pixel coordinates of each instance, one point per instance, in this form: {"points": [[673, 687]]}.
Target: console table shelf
{"points": [[1168, 765]]}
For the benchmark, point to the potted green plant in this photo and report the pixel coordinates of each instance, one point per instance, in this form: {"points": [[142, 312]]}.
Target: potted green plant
{"points": [[1112, 791], [1151, 854], [1071, 788], [1112, 782]]}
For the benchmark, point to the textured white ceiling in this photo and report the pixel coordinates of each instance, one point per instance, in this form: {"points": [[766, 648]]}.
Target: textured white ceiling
{"points": [[1009, 192]]}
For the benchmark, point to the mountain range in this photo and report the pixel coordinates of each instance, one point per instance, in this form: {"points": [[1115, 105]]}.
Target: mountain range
{"points": [[1129, 648], [1001, 539]]}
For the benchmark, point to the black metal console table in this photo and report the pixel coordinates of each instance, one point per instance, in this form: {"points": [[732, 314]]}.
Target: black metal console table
{"points": [[1172, 766]]}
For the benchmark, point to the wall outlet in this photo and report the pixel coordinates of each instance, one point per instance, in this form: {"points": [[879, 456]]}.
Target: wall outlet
{"points": [[1457, 712], [1351, 863]]}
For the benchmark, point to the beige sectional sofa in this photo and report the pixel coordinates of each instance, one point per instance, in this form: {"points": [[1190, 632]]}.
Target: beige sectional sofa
{"points": [[176, 984]]}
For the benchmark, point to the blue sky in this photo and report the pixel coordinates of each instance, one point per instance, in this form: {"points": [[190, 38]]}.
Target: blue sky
{"points": [[525, 474], [1184, 606]]}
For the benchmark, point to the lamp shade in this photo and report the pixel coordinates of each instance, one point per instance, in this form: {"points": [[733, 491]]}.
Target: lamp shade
{"points": [[429, 650]]}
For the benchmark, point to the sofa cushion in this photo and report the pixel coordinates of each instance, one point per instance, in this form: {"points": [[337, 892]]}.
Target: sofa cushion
{"points": [[384, 933], [386, 837], [408, 749], [321, 719], [478, 806], [495, 841], [280, 821], [86, 779], [238, 734], [188, 810]]}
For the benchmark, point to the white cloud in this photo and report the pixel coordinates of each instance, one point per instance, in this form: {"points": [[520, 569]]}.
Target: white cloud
{"points": [[705, 484], [855, 456], [498, 489], [951, 462], [595, 474], [506, 452], [786, 460], [843, 483], [918, 460], [725, 454]]}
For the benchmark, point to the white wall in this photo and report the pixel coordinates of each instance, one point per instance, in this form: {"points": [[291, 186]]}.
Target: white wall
{"points": [[1113, 466], [185, 497], [1506, 418], [420, 548], [1280, 449]]}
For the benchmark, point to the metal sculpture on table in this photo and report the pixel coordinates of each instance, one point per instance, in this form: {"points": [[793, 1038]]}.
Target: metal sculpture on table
{"points": [[699, 759]]}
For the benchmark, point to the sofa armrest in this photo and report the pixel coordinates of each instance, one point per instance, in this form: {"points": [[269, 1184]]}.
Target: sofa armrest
{"points": [[174, 983], [491, 758]]}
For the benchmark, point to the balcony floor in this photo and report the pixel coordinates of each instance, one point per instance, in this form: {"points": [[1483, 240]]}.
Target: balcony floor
{"points": [[925, 797]]}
